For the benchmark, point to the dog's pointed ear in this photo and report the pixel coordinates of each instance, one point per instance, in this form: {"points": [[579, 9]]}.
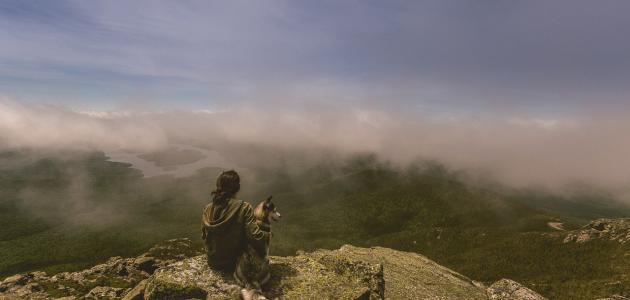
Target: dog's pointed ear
{"points": [[268, 199]]}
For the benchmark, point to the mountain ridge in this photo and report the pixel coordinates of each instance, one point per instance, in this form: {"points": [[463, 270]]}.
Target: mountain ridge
{"points": [[176, 269]]}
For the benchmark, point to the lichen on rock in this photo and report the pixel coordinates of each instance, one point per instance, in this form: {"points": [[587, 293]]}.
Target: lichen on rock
{"points": [[305, 276], [109, 280], [412, 276]]}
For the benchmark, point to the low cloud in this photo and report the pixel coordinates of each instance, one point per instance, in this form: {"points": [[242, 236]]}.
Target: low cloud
{"points": [[52, 127], [515, 150]]}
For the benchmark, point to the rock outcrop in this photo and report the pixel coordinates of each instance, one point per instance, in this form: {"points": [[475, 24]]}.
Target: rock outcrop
{"points": [[109, 280], [615, 297], [177, 270], [412, 276], [608, 229], [506, 289], [317, 275]]}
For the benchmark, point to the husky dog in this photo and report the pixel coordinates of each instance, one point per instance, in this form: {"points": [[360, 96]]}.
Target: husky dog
{"points": [[252, 267]]}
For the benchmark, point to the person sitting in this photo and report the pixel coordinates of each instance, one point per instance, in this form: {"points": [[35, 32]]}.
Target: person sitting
{"points": [[228, 225]]}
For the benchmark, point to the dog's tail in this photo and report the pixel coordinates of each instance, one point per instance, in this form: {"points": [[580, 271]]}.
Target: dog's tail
{"points": [[252, 294]]}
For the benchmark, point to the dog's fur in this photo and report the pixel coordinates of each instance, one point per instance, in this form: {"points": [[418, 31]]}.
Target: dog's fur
{"points": [[252, 267]]}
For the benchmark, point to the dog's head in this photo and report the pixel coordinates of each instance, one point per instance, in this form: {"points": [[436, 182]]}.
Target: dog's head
{"points": [[267, 211]]}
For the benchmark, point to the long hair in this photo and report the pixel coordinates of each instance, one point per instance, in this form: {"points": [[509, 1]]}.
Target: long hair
{"points": [[228, 184]]}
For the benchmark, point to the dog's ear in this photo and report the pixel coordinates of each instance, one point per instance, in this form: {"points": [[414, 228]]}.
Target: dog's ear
{"points": [[267, 201]]}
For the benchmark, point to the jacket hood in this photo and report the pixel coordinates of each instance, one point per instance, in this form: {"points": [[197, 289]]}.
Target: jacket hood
{"points": [[217, 216]]}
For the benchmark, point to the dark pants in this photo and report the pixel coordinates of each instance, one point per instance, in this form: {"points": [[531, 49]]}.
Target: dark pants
{"points": [[227, 268]]}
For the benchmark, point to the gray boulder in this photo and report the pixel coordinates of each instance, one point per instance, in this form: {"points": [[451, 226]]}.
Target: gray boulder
{"points": [[606, 229]]}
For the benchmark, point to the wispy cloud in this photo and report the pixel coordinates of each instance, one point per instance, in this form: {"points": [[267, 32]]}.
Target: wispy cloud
{"points": [[481, 55]]}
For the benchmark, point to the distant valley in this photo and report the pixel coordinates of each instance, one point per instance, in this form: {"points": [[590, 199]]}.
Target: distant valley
{"points": [[67, 211]]}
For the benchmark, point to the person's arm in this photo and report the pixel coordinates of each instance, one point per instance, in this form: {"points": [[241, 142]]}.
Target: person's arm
{"points": [[205, 221], [253, 232], [204, 233]]}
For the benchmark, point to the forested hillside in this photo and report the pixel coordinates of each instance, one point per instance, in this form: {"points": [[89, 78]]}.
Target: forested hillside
{"points": [[69, 210]]}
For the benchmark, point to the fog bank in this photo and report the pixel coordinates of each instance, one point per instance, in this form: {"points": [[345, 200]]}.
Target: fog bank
{"points": [[517, 151]]}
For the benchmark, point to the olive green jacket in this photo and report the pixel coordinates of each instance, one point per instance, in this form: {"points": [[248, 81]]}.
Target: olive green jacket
{"points": [[227, 229]]}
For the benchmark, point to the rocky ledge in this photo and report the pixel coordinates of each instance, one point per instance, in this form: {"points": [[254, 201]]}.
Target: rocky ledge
{"points": [[346, 273], [608, 229], [109, 280]]}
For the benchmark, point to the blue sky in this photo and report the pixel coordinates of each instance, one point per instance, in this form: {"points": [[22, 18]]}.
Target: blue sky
{"points": [[538, 58]]}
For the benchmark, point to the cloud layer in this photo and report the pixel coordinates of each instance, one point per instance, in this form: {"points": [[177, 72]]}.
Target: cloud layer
{"points": [[516, 151], [51, 127]]}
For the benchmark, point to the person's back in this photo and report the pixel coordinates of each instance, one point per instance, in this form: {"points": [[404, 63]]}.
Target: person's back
{"points": [[228, 225], [223, 233]]}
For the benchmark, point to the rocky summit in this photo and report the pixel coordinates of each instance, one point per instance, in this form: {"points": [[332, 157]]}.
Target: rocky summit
{"points": [[110, 280], [178, 270]]}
